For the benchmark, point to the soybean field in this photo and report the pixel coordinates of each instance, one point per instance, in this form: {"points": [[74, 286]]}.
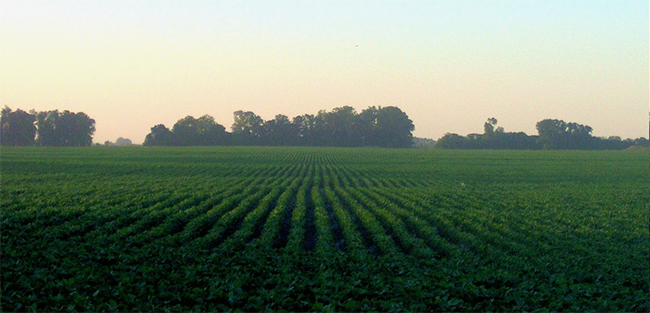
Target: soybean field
{"points": [[323, 229]]}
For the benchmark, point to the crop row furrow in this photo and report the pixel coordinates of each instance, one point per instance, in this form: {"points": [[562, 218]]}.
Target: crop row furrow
{"points": [[328, 235], [201, 224], [231, 221], [272, 227], [421, 227], [240, 228], [176, 221], [227, 223], [449, 227], [128, 215], [325, 236], [293, 222], [371, 227], [496, 233], [300, 223], [154, 218], [139, 212], [350, 227], [255, 223], [266, 222], [96, 217], [395, 226], [443, 226]]}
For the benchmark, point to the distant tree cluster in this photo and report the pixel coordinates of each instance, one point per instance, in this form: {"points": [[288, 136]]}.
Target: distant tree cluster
{"points": [[190, 131], [48, 128], [423, 143], [553, 134], [119, 142], [341, 127]]}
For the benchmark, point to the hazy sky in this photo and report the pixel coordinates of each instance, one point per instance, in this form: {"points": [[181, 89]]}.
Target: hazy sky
{"points": [[449, 65]]}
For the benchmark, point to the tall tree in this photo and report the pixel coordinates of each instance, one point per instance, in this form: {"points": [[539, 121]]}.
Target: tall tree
{"points": [[551, 133], [557, 134], [17, 128], [65, 128], [247, 127], [46, 128], [189, 131], [160, 135], [81, 128], [211, 133], [367, 126], [321, 133], [394, 128], [490, 127], [305, 128], [340, 127], [186, 132], [279, 132], [493, 137]]}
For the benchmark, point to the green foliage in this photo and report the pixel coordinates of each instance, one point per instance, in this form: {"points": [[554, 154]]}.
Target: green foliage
{"points": [[64, 129], [322, 229], [17, 128], [553, 135], [387, 127]]}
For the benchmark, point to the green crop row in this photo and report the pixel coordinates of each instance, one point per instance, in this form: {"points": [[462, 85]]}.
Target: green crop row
{"points": [[322, 229]]}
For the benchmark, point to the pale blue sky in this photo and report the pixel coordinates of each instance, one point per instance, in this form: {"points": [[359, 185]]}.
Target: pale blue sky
{"points": [[450, 65]]}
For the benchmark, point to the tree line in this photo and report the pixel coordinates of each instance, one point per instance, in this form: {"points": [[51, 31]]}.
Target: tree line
{"points": [[47, 128], [553, 134], [386, 127]]}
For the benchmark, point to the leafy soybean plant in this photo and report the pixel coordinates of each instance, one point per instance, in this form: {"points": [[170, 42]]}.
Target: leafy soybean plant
{"points": [[304, 229]]}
